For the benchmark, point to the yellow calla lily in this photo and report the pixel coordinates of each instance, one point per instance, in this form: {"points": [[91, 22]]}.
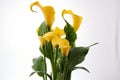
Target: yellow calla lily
{"points": [[76, 18], [54, 38], [37, 30], [58, 32], [65, 50], [42, 40], [63, 43], [48, 36], [65, 47], [48, 12], [55, 41]]}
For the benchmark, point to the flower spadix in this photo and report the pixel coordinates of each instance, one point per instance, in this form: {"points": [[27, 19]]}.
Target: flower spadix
{"points": [[76, 18], [48, 12]]}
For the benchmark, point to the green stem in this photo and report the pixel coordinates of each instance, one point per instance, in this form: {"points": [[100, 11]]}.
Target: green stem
{"points": [[45, 76], [65, 68], [66, 72], [53, 70], [52, 65], [68, 75], [55, 63]]}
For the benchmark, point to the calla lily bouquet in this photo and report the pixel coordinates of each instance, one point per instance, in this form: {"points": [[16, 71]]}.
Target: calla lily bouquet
{"points": [[64, 56]]}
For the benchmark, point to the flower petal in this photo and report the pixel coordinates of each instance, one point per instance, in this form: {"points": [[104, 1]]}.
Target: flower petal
{"points": [[48, 12], [55, 41], [76, 18], [65, 47], [65, 50], [58, 32], [48, 36], [42, 40], [63, 43]]}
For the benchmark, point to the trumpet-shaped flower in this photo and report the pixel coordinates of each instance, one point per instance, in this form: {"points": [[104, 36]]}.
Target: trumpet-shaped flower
{"points": [[54, 41], [76, 18], [42, 40], [54, 38], [63, 43], [58, 32], [65, 50], [48, 36], [48, 12]]}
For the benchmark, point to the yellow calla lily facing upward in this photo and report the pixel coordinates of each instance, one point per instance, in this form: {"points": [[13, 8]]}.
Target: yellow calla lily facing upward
{"points": [[55, 38], [63, 43], [48, 12], [58, 32], [76, 18]]}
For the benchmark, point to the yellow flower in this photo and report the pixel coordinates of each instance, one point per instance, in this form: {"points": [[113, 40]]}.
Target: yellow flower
{"points": [[48, 12], [76, 18], [65, 50], [48, 36], [55, 41], [58, 32], [42, 40], [37, 30], [54, 38], [62, 43]]}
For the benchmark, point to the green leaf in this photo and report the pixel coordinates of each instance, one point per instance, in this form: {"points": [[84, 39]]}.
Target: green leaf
{"points": [[76, 56], [39, 65], [60, 76], [41, 73], [70, 34], [32, 73], [44, 28], [81, 68]]}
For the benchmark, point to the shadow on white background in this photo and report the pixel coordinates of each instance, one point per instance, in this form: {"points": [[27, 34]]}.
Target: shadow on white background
{"points": [[19, 42]]}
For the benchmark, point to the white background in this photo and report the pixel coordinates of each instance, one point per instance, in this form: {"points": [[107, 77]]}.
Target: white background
{"points": [[19, 42]]}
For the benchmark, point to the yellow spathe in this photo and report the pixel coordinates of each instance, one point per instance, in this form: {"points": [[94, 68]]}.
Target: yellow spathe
{"points": [[62, 43], [42, 40], [54, 38], [76, 19], [48, 12], [58, 32], [48, 36]]}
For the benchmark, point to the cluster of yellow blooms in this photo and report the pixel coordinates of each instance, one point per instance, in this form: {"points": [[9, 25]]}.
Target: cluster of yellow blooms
{"points": [[58, 45], [54, 36]]}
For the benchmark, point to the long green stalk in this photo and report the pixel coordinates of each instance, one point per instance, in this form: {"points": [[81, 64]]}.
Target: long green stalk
{"points": [[45, 76]]}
